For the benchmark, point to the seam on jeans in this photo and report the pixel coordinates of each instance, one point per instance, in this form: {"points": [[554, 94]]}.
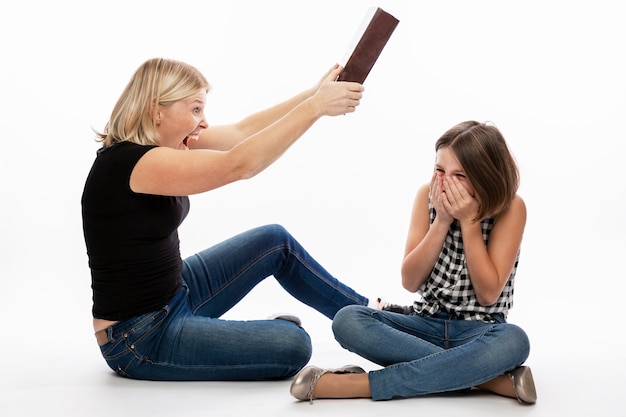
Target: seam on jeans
{"points": [[236, 276], [259, 258], [322, 278]]}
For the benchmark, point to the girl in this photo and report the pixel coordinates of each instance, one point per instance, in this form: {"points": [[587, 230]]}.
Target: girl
{"points": [[461, 256]]}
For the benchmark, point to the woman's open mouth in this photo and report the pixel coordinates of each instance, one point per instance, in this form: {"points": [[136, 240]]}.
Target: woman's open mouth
{"points": [[194, 136]]}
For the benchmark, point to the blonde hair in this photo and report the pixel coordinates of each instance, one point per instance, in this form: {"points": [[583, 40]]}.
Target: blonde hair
{"points": [[157, 81], [489, 165]]}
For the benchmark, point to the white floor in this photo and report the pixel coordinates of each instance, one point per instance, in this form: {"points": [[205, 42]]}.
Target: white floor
{"points": [[44, 376], [50, 364]]}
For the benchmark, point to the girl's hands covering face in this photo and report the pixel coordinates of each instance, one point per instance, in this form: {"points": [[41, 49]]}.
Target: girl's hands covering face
{"points": [[457, 200], [450, 191], [437, 197]]}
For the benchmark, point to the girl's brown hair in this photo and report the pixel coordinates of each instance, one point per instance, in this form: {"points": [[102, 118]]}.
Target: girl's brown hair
{"points": [[488, 163]]}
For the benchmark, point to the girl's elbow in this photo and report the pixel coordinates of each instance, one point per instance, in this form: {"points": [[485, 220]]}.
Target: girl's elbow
{"points": [[408, 283], [486, 300]]}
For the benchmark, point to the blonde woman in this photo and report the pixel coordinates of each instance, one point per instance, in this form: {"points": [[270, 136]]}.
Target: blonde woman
{"points": [[155, 315]]}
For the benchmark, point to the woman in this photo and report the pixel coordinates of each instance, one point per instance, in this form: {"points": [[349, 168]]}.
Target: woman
{"points": [[156, 316], [461, 256]]}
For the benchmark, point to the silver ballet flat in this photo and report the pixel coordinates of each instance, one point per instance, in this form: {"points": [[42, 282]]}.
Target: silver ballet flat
{"points": [[524, 385], [303, 384], [287, 317]]}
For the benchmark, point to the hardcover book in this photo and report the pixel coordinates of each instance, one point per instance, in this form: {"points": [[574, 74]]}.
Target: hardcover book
{"points": [[368, 43]]}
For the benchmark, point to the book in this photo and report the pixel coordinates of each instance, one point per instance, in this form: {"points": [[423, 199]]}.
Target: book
{"points": [[369, 41]]}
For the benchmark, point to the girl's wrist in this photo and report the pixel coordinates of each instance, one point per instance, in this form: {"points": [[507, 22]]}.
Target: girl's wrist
{"points": [[442, 224], [468, 225]]}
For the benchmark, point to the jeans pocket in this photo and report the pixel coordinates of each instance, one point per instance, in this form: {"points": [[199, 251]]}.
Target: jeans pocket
{"points": [[145, 330], [133, 339]]}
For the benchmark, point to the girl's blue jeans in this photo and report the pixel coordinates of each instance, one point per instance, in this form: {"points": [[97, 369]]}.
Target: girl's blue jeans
{"points": [[425, 355], [186, 339]]}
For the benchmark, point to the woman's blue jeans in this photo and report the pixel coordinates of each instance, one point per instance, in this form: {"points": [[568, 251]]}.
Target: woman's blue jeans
{"points": [[186, 340], [425, 355]]}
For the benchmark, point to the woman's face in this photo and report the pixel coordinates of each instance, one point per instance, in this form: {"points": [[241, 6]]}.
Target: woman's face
{"points": [[447, 166], [181, 121]]}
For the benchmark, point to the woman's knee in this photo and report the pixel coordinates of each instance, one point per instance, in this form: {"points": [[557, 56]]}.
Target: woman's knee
{"points": [[274, 232], [297, 347]]}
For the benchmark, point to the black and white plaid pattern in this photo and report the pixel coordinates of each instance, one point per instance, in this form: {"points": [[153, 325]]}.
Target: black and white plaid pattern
{"points": [[449, 288]]}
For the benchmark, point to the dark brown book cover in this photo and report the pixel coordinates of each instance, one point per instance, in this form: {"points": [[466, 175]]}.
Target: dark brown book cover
{"points": [[372, 37]]}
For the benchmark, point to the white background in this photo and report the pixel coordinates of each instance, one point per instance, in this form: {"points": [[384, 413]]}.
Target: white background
{"points": [[549, 74]]}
